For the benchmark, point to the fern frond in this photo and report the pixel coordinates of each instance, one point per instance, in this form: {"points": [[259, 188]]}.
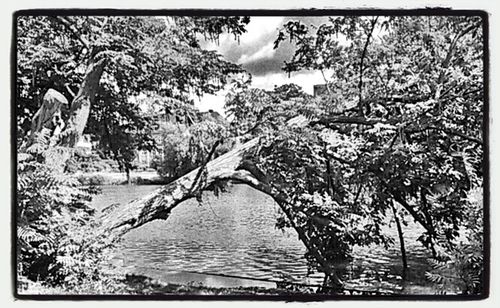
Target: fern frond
{"points": [[30, 235], [66, 261], [438, 265], [434, 278]]}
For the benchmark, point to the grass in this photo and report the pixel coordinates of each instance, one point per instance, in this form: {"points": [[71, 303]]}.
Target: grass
{"points": [[142, 285]]}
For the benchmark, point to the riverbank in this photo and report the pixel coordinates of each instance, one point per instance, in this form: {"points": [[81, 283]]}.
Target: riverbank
{"points": [[119, 178], [137, 285], [143, 285]]}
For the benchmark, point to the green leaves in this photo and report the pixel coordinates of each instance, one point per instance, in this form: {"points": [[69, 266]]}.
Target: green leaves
{"points": [[55, 225], [418, 143], [143, 55], [186, 145]]}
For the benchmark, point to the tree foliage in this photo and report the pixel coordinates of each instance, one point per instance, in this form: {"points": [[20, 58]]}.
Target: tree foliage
{"points": [[141, 55], [55, 222], [186, 147], [124, 57], [401, 123]]}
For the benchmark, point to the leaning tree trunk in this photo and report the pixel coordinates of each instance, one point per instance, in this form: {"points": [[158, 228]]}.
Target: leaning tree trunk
{"points": [[80, 107], [117, 220], [401, 242]]}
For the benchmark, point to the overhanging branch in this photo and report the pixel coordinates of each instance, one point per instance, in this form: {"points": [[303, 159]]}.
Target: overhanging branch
{"points": [[327, 121], [71, 27], [362, 68], [246, 177], [448, 131]]}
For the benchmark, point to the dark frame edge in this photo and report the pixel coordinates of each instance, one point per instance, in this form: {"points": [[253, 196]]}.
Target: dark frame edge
{"points": [[434, 11], [13, 140], [486, 156]]}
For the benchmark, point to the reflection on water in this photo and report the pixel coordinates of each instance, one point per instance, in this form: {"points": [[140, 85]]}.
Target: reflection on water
{"points": [[235, 234]]}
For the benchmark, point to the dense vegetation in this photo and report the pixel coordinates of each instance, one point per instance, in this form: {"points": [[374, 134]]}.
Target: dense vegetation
{"points": [[397, 134], [158, 58], [399, 130]]}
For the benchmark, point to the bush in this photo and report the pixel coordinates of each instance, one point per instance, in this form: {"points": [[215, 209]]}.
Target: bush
{"points": [[89, 163], [459, 267], [186, 148], [92, 179], [57, 244]]}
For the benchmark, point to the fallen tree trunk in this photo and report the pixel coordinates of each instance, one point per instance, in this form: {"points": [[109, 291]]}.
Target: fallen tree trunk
{"points": [[119, 219]]}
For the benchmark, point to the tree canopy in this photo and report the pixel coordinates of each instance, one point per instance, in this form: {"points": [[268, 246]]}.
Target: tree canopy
{"points": [[157, 55], [400, 126]]}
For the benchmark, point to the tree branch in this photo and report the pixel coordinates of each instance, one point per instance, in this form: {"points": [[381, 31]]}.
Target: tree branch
{"points": [[71, 27], [448, 131], [246, 177], [348, 120], [361, 68], [454, 43], [202, 167], [449, 55], [327, 86]]}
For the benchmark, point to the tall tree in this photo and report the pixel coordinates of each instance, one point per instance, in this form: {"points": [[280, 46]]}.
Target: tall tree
{"points": [[132, 55], [99, 65], [402, 120]]}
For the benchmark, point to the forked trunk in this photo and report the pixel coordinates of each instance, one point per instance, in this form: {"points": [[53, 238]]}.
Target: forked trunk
{"points": [[80, 107]]}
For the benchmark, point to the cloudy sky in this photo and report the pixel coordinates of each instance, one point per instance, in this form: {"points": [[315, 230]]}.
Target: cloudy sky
{"points": [[256, 54]]}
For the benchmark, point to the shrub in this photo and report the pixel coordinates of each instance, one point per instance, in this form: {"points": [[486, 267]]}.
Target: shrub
{"points": [[185, 148], [92, 179], [57, 244], [459, 267]]}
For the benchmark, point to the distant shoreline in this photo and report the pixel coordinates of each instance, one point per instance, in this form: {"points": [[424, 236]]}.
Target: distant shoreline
{"points": [[120, 178]]}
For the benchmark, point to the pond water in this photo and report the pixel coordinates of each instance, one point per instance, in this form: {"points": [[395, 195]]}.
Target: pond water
{"points": [[235, 234]]}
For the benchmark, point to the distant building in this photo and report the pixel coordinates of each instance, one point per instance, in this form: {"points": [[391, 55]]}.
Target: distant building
{"points": [[320, 90], [144, 158]]}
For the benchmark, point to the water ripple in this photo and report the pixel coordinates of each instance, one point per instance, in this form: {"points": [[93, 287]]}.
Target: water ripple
{"points": [[235, 234]]}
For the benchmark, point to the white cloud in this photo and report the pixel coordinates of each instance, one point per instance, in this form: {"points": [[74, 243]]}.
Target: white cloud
{"points": [[306, 80], [266, 52], [260, 26]]}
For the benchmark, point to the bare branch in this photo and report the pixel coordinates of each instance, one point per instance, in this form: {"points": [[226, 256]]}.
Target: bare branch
{"points": [[202, 167]]}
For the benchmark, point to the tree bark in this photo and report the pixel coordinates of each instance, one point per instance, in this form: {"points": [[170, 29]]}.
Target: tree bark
{"points": [[118, 220], [129, 180], [80, 107], [401, 241]]}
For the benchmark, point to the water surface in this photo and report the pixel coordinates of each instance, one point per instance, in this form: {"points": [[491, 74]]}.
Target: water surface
{"points": [[235, 234]]}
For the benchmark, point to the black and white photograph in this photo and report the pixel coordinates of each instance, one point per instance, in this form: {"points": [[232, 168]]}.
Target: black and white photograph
{"points": [[286, 155]]}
